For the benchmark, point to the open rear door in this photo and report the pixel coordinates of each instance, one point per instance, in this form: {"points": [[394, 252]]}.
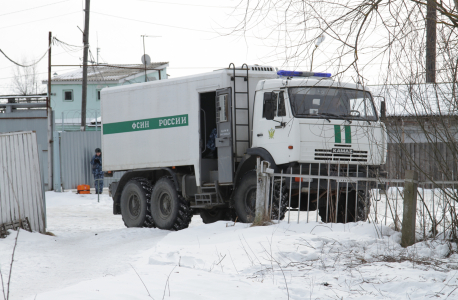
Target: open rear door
{"points": [[223, 141]]}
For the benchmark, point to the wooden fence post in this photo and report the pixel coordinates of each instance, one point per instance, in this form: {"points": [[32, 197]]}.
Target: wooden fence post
{"points": [[410, 208]]}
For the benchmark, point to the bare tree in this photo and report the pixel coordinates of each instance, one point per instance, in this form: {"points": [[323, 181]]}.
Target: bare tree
{"points": [[382, 43], [25, 80]]}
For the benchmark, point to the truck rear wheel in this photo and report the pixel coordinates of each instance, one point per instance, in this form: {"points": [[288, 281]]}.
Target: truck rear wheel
{"points": [[134, 204], [169, 210]]}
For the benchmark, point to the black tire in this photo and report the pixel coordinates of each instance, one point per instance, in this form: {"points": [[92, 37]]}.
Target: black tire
{"points": [[169, 210], [276, 203], [212, 215], [148, 188], [245, 199], [216, 214], [134, 203], [362, 210]]}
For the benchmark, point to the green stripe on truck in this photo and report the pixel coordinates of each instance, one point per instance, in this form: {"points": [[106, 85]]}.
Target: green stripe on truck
{"points": [[337, 134], [347, 134], [146, 124]]}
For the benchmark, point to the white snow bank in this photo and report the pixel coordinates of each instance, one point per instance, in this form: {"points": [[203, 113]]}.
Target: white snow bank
{"points": [[94, 256]]}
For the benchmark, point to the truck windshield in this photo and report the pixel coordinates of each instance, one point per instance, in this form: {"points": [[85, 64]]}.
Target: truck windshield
{"points": [[331, 102]]}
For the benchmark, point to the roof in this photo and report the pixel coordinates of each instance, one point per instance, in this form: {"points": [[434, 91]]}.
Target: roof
{"points": [[108, 72], [309, 82], [424, 99]]}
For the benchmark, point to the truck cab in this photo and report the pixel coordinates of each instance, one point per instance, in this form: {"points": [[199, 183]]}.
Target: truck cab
{"points": [[314, 119]]}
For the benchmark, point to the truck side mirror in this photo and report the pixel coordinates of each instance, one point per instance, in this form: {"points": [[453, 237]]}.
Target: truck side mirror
{"points": [[382, 110]]}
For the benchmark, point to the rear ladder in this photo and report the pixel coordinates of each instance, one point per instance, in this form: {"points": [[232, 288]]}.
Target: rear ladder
{"points": [[241, 128]]}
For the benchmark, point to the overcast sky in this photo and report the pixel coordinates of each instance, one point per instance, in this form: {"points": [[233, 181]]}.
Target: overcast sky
{"points": [[191, 34]]}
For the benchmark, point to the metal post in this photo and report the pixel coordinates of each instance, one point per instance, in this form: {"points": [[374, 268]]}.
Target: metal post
{"points": [[50, 118], [300, 192], [327, 193], [434, 211], [281, 195], [144, 56], [365, 195], [410, 208], [346, 197], [443, 203], [308, 195], [337, 198], [424, 218], [396, 210], [290, 184], [271, 198], [356, 197], [318, 193]]}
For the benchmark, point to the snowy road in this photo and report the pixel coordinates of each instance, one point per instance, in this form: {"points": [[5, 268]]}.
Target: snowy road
{"points": [[93, 256]]}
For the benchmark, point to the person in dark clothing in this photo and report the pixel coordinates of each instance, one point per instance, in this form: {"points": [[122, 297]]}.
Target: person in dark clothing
{"points": [[96, 163]]}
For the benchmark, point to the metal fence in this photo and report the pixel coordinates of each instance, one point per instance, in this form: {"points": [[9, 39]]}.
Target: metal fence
{"points": [[21, 183], [344, 193], [74, 160], [436, 207]]}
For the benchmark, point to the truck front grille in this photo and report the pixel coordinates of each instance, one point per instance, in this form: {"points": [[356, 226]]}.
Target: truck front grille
{"points": [[326, 154]]}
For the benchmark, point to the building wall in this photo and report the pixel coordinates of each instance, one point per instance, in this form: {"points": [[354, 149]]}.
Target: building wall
{"points": [[30, 120], [72, 109]]}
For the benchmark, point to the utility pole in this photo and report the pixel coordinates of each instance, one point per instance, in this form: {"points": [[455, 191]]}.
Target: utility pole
{"points": [[50, 117], [85, 54], [49, 69], [144, 54], [431, 22]]}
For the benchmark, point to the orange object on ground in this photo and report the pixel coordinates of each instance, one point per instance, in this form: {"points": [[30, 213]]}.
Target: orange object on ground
{"points": [[83, 189]]}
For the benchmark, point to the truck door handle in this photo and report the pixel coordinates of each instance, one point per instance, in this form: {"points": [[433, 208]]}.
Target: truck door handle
{"points": [[260, 134]]}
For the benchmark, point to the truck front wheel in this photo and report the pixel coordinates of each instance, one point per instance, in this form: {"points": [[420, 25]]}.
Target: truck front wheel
{"points": [[169, 210], [133, 204], [245, 198]]}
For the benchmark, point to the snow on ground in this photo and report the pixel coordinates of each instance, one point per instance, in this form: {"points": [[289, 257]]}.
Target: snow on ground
{"points": [[93, 256]]}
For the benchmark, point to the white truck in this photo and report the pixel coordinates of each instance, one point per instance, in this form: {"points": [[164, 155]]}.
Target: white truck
{"points": [[189, 145]]}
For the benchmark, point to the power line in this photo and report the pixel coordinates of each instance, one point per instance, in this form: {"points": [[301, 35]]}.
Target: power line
{"points": [[25, 66], [171, 26], [18, 11], [41, 20], [186, 4], [37, 74]]}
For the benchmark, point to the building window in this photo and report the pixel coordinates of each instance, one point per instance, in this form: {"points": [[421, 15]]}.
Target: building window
{"points": [[68, 95], [98, 95]]}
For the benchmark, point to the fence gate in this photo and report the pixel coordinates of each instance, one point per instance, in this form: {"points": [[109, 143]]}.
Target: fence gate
{"points": [[74, 160], [21, 184]]}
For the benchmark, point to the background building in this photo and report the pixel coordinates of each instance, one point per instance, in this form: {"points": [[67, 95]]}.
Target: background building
{"points": [[66, 90]]}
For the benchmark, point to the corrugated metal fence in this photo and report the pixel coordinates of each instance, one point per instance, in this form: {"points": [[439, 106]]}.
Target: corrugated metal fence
{"points": [[76, 150], [21, 189]]}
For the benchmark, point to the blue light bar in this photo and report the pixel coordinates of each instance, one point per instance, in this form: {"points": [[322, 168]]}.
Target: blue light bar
{"points": [[322, 74], [302, 74]]}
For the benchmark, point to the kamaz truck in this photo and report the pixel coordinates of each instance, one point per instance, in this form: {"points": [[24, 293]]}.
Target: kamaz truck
{"points": [[189, 145]]}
